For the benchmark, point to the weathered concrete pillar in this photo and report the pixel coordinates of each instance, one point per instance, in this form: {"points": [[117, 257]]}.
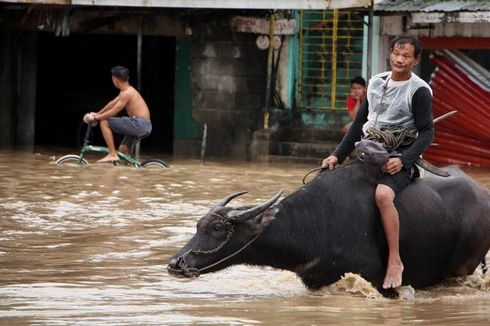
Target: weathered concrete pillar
{"points": [[26, 109], [260, 145], [6, 86]]}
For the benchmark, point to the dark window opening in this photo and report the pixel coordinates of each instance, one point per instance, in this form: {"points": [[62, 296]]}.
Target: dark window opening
{"points": [[74, 78]]}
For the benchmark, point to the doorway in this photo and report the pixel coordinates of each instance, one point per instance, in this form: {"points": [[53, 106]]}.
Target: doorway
{"points": [[74, 78]]}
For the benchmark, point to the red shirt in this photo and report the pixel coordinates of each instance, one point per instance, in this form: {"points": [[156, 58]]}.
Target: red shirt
{"points": [[351, 103]]}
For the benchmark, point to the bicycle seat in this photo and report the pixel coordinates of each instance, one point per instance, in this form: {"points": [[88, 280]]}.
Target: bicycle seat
{"points": [[139, 138], [135, 149]]}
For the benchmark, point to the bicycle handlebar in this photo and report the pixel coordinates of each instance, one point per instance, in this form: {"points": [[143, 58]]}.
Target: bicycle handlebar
{"points": [[87, 119]]}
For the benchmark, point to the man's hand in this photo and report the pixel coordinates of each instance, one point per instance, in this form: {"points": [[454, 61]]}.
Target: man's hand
{"points": [[393, 166], [354, 95], [330, 162], [89, 118]]}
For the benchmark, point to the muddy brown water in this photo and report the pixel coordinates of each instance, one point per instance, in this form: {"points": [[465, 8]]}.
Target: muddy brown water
{"points": [[90, 245]]}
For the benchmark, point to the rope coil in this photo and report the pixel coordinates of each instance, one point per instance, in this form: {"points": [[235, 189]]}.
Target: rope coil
{"points": [[392, 137]]}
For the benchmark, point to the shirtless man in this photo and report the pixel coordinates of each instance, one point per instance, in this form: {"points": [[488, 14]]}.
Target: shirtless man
{"points": [[136, 124]]}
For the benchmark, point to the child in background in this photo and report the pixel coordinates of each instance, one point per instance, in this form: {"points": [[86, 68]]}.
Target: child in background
{"points": [[354, 99]]}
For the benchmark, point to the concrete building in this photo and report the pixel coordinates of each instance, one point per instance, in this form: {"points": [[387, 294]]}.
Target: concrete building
{"points": [[212, 63], [191, 60]]}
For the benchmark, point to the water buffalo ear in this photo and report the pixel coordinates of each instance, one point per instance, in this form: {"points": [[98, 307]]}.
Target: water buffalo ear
{"points": [[268, 216], [244, 215]]}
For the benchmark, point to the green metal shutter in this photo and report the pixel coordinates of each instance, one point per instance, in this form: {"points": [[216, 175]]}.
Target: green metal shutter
{"points": [[331, 46], [185, 127]]}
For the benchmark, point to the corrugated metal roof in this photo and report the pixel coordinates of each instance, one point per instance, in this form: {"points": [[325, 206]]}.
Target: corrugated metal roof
{"points": [[431, 5], [217, 4]]}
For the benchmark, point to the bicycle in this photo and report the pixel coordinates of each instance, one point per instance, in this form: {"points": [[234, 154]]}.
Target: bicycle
{"points": [[131, 158]]}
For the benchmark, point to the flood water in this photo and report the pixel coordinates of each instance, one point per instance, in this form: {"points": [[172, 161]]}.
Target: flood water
{"points": [[90, 245]]}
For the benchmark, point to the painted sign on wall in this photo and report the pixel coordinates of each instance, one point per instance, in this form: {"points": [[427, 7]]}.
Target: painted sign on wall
{"points": [[261, 25]]}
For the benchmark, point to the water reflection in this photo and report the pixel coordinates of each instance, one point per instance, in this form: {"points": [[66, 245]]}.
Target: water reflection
{"points": [[90, 246]]}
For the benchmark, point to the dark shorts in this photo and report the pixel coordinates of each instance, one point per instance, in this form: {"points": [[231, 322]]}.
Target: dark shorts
{"points": [[131, 128], [398, 181]]}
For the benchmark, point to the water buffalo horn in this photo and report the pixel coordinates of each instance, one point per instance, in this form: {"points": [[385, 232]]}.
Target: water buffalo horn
{"points": [[227, 199], [445, 116], [240, 216]]}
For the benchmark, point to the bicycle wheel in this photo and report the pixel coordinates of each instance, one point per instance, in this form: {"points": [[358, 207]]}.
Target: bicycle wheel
{"points": [[154, 163], [71, 159]]}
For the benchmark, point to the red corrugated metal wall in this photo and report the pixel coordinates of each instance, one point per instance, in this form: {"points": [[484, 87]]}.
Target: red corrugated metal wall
{"points": [[465, 137]]}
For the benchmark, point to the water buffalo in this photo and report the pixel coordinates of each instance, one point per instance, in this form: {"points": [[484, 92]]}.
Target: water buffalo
{"points": [[331, 226]]}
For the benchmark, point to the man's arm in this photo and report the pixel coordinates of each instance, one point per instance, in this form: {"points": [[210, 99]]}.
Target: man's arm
{"points": [[109, 105], [119, 104], [422, 112], [354, 134]]}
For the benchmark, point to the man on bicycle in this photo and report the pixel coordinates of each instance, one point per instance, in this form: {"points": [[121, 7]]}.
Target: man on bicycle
{"points": [[136, 124]]}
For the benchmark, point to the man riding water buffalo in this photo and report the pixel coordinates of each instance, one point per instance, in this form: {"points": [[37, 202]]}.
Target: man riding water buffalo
{"points": [[332, 226], [398, 98], [335, 223]]}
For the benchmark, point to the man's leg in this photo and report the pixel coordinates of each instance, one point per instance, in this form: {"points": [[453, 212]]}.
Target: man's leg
{"points": [[127, 144], [127, 126], [123, 149], [109, 140], [389, 215]]}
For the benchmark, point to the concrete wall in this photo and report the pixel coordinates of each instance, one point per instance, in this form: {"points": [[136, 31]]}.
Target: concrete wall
{"points": [[228, 87]]}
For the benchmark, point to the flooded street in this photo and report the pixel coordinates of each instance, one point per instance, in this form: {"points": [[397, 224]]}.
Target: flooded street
{"points": [[90, 246]]}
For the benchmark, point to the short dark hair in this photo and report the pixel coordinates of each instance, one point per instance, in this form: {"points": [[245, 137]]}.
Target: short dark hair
{"points": [[120, 72], [358, 80], [410, 39]]}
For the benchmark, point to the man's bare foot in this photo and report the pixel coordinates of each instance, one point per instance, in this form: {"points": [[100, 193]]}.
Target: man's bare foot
{"points": [[393, 277], [108, 159]]}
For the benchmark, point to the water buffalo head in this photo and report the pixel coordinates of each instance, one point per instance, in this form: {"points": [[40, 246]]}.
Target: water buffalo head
{"points": [[221, 234]]}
